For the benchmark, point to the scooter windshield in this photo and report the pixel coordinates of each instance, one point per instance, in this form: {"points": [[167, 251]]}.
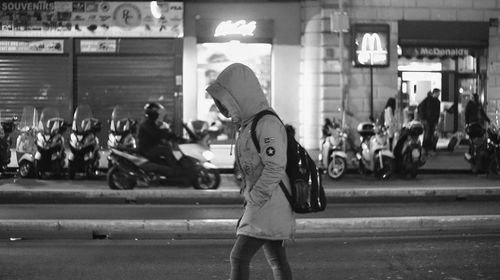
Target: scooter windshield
{"points": [[50, 121], [121, 121], [82, 119], [29, 118]]}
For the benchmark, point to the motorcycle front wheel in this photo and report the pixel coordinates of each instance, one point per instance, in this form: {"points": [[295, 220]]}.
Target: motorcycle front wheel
{"points": [[207, 179], [26, 169], [38, 169], [386, 170], [336, 168], [119, 180]]}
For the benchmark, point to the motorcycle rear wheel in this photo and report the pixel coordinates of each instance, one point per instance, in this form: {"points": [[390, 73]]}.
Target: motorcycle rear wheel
{"points": [[89, 169], [118, 180], [56, 169], [71, 170], [207, 179], [336, 168]]}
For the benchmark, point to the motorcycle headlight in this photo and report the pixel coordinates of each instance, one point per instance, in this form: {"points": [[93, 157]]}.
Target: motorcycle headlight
{"points": [[415, 153], [111, 140], [208, 155], [72, 140]]}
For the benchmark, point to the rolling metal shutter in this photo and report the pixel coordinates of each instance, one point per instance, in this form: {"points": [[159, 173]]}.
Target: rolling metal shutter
{"points": [[35, 80], [132, 81]]}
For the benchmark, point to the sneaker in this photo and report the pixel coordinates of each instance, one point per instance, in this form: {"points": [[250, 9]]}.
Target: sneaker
{"points": [[467, 157]]}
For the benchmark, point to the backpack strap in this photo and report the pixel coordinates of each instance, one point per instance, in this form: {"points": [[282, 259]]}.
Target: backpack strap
{"points": [[255, 120], [253, 134]]}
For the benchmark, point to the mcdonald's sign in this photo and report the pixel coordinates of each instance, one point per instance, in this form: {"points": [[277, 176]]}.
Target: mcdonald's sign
{"points": [[370, 46]]}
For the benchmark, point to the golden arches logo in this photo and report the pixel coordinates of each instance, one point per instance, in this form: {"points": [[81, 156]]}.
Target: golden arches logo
{"points": [[371, 52]]}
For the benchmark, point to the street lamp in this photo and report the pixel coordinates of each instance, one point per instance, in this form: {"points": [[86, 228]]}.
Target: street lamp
{"points": [[339, 23]]}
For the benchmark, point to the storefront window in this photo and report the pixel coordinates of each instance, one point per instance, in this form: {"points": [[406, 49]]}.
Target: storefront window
{"points": [[212, 59], [467, 64]]}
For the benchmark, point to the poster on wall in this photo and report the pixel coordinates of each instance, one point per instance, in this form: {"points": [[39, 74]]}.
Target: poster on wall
{"points": [[215, 57], [40, 46], [91, 19]]}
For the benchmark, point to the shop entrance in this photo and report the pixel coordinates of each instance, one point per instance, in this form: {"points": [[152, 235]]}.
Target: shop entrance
{"points": [[457, 78], [215, 57]]}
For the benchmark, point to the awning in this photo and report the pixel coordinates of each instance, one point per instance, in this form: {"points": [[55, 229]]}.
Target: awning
{"points": [[442, 38]]}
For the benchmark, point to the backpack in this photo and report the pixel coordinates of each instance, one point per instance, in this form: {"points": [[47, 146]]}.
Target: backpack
{"points": [[308, 194]]}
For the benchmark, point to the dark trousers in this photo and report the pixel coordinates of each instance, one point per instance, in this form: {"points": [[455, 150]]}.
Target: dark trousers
{"points": [[246, 247], [428, 143], [161, 154]]}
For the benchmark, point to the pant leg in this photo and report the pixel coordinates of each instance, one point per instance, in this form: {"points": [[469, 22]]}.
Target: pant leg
{"points": [[242, 253], [428, 134], [276, 256]]}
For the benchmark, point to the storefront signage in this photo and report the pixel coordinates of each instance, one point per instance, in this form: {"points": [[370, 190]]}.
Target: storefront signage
{"points": [[91, 19], [98, 46], [240, 27], [371, 45], [242, 30], [39, 47], [436, 52]]}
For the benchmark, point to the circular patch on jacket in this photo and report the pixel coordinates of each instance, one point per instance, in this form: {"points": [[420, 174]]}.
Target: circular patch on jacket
{"points": [[270, 151]]}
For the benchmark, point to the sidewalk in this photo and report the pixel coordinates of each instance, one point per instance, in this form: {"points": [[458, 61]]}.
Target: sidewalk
{"points": [[353, 188]]}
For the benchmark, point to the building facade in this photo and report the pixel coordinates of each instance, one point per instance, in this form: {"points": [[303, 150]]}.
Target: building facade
{"points": [[463, 57]]}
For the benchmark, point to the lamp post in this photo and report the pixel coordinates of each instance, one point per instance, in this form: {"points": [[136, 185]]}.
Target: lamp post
{"points": [[339, 23]]}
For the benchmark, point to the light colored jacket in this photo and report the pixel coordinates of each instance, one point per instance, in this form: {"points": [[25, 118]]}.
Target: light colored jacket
{"points": [[267, 214]]}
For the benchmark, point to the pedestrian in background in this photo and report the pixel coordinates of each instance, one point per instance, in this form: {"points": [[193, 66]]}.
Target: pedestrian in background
{"points": [[268, 219], [474, 112], [429, 110], [388, 119]]}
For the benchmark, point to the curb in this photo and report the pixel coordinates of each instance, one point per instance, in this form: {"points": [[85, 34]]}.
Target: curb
{"points": [[225, 228], [233, 196]]}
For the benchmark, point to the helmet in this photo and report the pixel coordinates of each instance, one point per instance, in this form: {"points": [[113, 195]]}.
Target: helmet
{"points": [[152, 110]]}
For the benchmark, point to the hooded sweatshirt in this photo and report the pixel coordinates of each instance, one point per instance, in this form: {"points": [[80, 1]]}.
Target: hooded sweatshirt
{"points": [[267, 214]]}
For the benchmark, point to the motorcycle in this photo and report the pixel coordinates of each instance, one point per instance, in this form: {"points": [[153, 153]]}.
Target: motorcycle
{"points": [[332, 155], [408, 149], [83, 156], [375, 155], [6, 128], [121, 130], [50, 154], [26, 142], [493, 146], [478, 155], [130, 169]]}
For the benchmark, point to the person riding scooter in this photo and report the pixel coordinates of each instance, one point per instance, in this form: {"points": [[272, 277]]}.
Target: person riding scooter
{"points": [[154, 137]]}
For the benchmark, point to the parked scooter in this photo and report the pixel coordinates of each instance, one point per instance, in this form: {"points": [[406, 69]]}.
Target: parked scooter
{"points": [[84, 143], [375, 155], [478, 155], [6, 128], [408, 149], [493, 146], [50, 154], [26, 142], [332, 155], [193, 167], [122, 130]]}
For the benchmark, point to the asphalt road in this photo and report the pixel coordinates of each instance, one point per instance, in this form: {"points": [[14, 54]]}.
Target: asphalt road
{"points": [[424, 257], [335, 210]]}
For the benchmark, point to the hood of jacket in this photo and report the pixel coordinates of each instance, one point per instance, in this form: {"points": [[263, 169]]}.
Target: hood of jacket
{"points": [[239, 90]]}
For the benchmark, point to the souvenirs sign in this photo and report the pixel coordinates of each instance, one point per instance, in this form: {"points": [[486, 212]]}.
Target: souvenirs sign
{"points": [[91, 19]]}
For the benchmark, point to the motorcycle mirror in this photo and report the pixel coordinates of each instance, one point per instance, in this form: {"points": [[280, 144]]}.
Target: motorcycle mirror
{"points": [[98, 127]]}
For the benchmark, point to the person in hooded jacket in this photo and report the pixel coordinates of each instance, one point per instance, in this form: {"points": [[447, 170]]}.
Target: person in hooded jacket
{"points": [[268, 220]]}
